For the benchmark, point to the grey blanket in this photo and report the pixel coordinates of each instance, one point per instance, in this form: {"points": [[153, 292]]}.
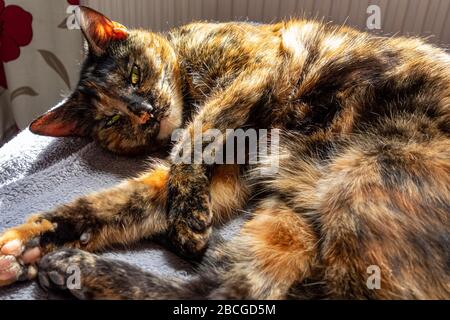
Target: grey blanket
{"points": [[37, 173]]}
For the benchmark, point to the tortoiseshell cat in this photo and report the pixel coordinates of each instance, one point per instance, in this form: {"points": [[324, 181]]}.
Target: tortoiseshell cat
{"points": [[363, 180]]}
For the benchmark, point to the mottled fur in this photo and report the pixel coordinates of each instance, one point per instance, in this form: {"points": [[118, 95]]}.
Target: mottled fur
{"points": [[364, 176]]}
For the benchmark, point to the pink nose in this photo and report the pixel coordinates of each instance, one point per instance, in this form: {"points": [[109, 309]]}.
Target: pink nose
{"points": [[144, 117]]}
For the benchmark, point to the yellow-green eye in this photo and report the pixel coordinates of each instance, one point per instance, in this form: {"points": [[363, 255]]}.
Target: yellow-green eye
{"points": [[135, 76], [113, 120]]}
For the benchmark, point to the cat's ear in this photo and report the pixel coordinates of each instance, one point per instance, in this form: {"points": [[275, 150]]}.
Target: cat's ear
{"points": [[98, 29], [66, 120]]}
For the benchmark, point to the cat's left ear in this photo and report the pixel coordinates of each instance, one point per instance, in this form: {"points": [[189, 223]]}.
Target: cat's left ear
{"points": [[98, 30], [66, 120]]}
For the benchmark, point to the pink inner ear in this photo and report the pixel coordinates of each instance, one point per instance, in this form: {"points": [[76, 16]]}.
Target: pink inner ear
{"points": [[51, 125], [99, 30], [120, 32]]}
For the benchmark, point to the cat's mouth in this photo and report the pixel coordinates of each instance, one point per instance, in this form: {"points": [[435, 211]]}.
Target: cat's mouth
{"points": [[142, 114], [144, 117]]}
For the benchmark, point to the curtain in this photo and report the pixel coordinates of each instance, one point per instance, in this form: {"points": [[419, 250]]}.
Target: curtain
{"points": [[40, 52]]}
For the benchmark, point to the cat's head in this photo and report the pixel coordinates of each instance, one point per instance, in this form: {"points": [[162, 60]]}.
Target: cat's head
{"points": [[128, 97]]}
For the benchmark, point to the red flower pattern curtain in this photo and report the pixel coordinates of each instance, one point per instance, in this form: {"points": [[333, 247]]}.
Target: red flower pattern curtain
{"points": [[15, 32], [40, 51]]}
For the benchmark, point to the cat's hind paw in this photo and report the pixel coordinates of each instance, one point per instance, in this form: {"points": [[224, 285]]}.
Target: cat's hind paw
{"points": [[89, 276], [66, 270]]}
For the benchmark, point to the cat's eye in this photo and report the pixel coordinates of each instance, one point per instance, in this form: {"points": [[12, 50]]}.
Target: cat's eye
{"points": [[135, 75], [113, 120]]}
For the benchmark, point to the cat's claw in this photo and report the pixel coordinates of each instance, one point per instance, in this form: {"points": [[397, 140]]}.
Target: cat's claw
{"points": [[85, 237]]}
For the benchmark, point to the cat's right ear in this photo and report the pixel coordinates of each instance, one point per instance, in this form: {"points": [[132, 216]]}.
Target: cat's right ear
{"points": [[66, 120], [98, 30]]}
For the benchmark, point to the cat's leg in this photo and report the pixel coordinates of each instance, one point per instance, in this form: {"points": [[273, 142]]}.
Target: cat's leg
{"points": [[189, 183], [385, 215], [198, 202], [98, 277], [133, 210], [276, 249]]}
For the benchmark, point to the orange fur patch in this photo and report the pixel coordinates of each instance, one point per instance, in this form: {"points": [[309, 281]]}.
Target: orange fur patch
{"points": [[27, 231], [156, 179], [284, 244], [144, 117], [228, 192]]}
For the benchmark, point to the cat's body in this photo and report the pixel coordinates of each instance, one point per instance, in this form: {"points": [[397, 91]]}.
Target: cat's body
{"points": [[364, 176]]}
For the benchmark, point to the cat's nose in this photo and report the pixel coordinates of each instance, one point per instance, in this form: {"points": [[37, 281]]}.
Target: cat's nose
{"points": [[148, 107], [138, 104]]}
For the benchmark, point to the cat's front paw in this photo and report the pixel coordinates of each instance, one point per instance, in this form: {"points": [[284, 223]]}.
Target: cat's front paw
{"points": [[19, 250], [189, 234], [190, 226], [189, 210]]}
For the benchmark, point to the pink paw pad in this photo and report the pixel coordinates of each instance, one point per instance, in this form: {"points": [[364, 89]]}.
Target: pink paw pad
{"points": [[9, 268], [13, 248]]}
